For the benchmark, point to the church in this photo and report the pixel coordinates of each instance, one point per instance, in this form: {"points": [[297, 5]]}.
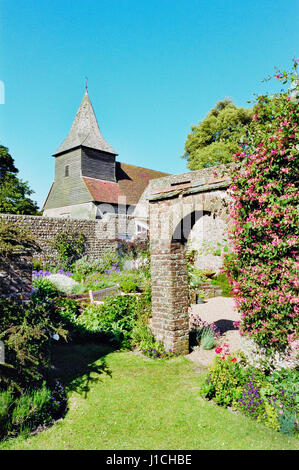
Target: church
{"points": [[89, 182]]}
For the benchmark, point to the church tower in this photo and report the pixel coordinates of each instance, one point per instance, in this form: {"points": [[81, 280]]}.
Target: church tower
{"points": [[84, 153], [88, 180]]}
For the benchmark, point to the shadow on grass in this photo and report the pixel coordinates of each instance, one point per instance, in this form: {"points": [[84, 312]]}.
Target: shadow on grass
{"points": [[78, 366]]}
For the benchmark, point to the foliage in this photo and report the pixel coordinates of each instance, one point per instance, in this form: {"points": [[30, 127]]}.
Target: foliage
{"points": [[87, 265], [69, 246], [68, 309], [15, 240], [114, 318], [7, 163], [288, 422], [14, 193], [37, 406], [27, 332], [284, 381], [271, 399], [215, 139], [265, 233], [221, 280], [207, 338], [44, 290], [225, 379], [203, 332], [141, 334], [96, 281], [134, 249], [128, 286], [143, 339], [64, 284], [6, 403]]}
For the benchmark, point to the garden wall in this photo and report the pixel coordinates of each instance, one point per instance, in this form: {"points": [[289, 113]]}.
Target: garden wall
{"points": [[16, 276], [100, 234]]}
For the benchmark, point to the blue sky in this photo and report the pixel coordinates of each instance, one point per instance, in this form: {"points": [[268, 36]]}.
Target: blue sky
{"points": [[154, 67]]}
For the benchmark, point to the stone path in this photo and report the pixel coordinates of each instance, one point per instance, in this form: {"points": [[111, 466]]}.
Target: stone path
{"points": [[222, 312]]}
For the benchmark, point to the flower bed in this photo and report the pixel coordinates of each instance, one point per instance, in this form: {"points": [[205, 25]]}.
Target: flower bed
{"points": [[271, 398]]}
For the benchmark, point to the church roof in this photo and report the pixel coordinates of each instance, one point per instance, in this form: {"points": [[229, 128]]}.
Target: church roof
{"points": [[131, 182], [85, 131]]}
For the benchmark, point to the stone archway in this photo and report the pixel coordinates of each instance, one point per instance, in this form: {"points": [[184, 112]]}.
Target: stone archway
{"points": [[173, 213]]}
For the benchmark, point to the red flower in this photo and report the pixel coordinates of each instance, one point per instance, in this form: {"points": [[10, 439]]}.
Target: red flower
{"points": [[218, 350]]}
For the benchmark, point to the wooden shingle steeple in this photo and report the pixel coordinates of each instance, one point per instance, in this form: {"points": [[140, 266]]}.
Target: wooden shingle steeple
{"points": [[85, 131], [87, 174]]}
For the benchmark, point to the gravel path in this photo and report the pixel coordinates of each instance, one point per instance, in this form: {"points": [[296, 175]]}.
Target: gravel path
{"points": [[222, 312]]}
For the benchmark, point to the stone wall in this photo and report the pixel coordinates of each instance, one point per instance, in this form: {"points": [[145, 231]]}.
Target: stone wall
{"points": [[16, 276], [100, 234]]}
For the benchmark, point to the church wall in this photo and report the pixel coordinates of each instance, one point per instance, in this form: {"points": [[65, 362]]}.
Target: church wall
{"points": [[76, 211]]}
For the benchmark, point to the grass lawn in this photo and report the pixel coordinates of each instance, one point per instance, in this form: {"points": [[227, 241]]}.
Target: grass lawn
{"points": [[122, 401]]}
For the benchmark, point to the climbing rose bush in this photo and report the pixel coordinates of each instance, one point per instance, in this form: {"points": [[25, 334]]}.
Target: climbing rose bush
{"points": [[263, 270]]}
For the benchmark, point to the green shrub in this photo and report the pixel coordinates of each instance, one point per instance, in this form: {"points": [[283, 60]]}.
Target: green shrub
{"points": [[68, 309], [225, 379], [27, 331], [143, 339], [44, 290], [90, 318], [287, 421], [141, 335], [128, 286], [15, 240], [271, 399], [207, 339], [281, 397], [88, 267], [97, 281], [117, 314], [222, 281], [79, 289], [69, 246], [83, 266], [37, 264]]}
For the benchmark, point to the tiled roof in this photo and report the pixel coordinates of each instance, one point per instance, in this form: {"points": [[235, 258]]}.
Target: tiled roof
{"points": [[131, 182], [85, 131]]}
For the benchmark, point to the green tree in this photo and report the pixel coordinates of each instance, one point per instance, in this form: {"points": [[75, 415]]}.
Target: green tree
{"points": [[14, 193], [215, 139], [6, 162]]}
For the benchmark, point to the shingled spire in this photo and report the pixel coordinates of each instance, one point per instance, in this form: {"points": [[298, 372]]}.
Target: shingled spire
{"points": [[85, 131]]}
